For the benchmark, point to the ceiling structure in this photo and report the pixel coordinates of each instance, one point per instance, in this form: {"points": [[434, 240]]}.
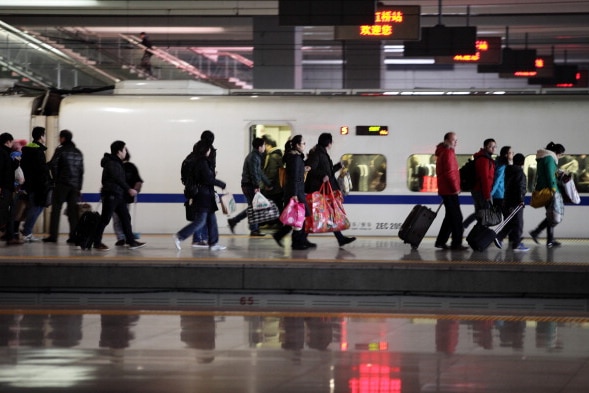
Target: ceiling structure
{"points": [[550, 26]]}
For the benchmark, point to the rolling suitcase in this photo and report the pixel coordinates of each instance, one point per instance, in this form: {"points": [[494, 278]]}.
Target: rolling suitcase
{"points": [[480, 237], [416, 224], [86, 229]]}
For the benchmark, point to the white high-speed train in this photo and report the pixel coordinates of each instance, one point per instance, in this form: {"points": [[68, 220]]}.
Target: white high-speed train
{"points": [[387, 140]]}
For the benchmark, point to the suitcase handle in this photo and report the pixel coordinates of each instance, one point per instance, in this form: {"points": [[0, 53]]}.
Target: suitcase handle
{"points": [[509, 217]]}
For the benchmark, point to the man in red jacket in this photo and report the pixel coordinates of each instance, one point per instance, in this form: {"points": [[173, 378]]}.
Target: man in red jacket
{"points": [[449, 188], [484, 176]]}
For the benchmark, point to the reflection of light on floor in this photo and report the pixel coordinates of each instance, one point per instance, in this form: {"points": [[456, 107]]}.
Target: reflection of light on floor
{"points": [[374, 378]]}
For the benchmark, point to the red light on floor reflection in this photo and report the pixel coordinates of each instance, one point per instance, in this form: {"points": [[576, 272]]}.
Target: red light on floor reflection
{"points": [[374, 378]]}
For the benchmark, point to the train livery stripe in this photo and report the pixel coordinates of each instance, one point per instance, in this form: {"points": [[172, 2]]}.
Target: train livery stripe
{"points": [[429, 199]]}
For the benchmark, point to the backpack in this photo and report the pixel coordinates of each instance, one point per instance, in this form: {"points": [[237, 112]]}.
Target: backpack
{"points": [[468, 175], [187, 176]]}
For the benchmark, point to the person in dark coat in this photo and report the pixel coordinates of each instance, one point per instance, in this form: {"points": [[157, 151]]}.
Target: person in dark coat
{"points": [[67, 172], [514, 193], [199, 239], [7, 188], [294, 160], [146, 58], [135, 181], [323, 171], [206, 205], [37, 180], [114, 188]]}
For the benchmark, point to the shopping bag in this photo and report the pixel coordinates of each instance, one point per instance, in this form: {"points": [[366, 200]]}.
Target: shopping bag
{"points": [[567, 188], [327, 211], [260, 201], [260, 216], [541, 198], [555, 209], [227, 203], [293, 214]]}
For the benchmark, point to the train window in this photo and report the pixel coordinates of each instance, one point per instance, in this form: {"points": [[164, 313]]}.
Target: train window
{"points": [[368, 172], [575, 164]]}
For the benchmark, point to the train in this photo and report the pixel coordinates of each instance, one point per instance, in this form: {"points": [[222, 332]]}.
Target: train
{"points": [[385, 138]]}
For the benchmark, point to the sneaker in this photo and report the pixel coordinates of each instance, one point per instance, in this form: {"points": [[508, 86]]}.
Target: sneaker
{"points": [[15, 241], [441, 246], [50, 240], [71, 241], [101, 247], [217, 247], [136, 245], [278, 240], [553, 244], [459, 248], [314, 245], [201, 244], [30, 238], [177, 242], [120, 243], [231, 224], [346, 240], [521, 248], [534, 236], [498, 243]]}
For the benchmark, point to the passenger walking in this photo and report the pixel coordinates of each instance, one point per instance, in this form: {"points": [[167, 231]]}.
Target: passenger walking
{"points": [[484, 176], [272, 164], [294, 159], [547, 167], [114, 188], [67, 172], [448, 176], [134, 180], [37, 180], [7, 188], [504, 159], [322, 171], [199, 239], [252, 179], [203, 177], [514, 195], [146, 57]]}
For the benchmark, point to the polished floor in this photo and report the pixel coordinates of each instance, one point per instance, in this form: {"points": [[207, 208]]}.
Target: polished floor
{"points": [[114, 350]]}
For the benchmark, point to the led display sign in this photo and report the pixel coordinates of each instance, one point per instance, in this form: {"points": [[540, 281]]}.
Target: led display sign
{"points": [[390, 23], [372, 130]]}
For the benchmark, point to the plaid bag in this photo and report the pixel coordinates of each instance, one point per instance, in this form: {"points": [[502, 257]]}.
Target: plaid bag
{"points": [[260, 216]]}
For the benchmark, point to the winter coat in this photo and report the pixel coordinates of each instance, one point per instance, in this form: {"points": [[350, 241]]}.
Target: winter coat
{"points": [[272, 163], [36, 171], [205, 178], [484, 174], [67, 166], [321, 166], [295, 178], [546, 170], [252, 174], [114, 181], [515, 186], [498, 190], [447, 170], [7, 168]]}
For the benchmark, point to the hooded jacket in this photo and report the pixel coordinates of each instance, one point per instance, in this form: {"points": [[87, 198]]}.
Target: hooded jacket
{"points": [[113, 176], [485, 173], [546, 170], [447, 170]]}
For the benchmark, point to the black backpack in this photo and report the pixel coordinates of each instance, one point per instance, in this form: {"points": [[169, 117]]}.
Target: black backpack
{"points": [[468, 175], [187, 176]]}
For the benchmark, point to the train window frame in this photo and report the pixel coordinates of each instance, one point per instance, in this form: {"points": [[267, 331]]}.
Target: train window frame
{"points": [[368, 171]]}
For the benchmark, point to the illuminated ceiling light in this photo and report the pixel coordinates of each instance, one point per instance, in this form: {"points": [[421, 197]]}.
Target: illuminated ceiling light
{"points": [[50, 3], [394, 48], [410, 61]]}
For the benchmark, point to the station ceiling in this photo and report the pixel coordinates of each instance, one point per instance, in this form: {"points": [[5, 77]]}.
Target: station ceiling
{"points": [[550, 26]]}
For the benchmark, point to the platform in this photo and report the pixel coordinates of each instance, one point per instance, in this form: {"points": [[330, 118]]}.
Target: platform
{"points": [[370, 265]]}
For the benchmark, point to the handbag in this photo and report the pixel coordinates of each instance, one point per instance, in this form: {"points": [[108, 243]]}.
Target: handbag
{"points": [[293, 214], [227, 203], [259, 216], [327, 211], [260, 201], [489, 217], [567, 188], [541, 198]]}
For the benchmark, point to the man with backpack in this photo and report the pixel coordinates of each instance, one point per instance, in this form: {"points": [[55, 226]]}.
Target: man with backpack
{"points": [[448, 188]]}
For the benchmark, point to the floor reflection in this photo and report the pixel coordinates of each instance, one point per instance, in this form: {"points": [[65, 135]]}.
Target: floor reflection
{"points": [[130, 351]]}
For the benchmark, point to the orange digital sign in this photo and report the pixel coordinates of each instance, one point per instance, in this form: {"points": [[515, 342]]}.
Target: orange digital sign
{"points": [[390, 23], [488, 52]]}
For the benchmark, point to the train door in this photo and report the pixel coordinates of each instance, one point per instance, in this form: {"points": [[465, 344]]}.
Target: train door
{"points": [[276, 131]]}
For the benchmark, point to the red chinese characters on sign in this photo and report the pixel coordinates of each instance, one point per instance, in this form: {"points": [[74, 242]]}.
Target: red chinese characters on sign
{"points": [[383, 23], [390, 23]]}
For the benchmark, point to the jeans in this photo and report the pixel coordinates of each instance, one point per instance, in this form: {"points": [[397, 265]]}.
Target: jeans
{"points": [[114, 204], [33, 214], [202, 219]]}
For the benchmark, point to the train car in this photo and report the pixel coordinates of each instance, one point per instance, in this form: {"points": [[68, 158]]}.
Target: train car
{"points": [[386, 140]]}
